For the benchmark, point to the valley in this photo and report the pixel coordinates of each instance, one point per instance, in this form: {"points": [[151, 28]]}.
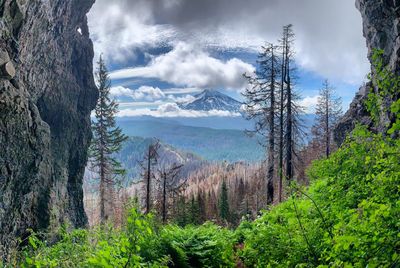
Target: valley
{"points": [[209, 143]]}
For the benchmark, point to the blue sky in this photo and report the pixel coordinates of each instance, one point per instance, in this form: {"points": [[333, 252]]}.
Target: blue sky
{"points": [[161, 52]]}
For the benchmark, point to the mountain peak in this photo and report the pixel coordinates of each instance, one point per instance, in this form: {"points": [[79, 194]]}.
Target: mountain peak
{"points": [[212, 100]]}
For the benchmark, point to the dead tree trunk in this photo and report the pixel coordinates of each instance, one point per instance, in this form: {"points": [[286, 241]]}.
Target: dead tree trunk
{"points": [[271, 138], [164, 201], [148, 181]]}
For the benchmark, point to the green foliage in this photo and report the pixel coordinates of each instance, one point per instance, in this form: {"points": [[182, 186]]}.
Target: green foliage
{"points": [[388, 84], [142, 243], [349, 217], [207, 245], [183, 215], [99, 247], [194, 211]]}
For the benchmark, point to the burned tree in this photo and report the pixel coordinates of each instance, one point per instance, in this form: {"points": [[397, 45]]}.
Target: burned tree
{"points": [[290, 123], [169, 183], [328, 111], [261, 106], [147, 164]]}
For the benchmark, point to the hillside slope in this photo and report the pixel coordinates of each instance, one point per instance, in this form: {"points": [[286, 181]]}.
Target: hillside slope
{"points": [[210, 144], [134, 150]]}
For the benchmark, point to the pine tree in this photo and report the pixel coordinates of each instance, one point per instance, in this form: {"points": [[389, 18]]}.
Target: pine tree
{"points": [[328, 111], [202, 205], [261, 106], [182, 218], [224, 203], [107, 139], [194, 211]]}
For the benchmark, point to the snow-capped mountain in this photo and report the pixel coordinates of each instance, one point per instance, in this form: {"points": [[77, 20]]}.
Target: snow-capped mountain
{"points": [[212, 100]]}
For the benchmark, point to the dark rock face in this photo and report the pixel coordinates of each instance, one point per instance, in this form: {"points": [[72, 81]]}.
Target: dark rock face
{"points": [[44, 114], [381, 23], [357, 113]]}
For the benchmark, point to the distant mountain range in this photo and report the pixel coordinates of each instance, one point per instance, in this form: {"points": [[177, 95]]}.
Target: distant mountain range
{"points": [[210, 144], [212, 100], [211, 138]]}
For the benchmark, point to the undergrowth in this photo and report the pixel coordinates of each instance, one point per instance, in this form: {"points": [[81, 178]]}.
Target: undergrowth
{"points": [[348, 217]]}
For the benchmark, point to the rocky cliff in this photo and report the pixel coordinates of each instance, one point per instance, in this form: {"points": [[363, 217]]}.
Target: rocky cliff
{"points": [[47, 92], [381, 24]]}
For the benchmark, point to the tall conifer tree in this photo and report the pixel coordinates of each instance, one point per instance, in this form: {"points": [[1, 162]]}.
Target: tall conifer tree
{"points": [[107, 140], [224, 202]]}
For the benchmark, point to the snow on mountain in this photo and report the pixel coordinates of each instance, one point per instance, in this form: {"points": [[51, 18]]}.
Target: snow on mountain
{"points": [[212, 100]]}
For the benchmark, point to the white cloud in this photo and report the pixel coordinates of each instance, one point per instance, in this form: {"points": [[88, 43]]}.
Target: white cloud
{"points": [[189, 90], [149, 93], [309, 104], [188, 66], [120, 91], [143, 93], [329, 33], [135, 104], [173, 110], [117, 30], [181, 99]]}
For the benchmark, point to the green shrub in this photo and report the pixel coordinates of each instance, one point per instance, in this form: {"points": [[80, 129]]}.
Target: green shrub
{"points": [[349, 217], [142, 243], [103, 246], [207, 245]]}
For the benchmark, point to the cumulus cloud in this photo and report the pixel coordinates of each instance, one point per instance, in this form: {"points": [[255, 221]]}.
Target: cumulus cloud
{"points": [[121, 91], [188, 66], [147, 96], [173, 110], [143, 93], [329, 33]]}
